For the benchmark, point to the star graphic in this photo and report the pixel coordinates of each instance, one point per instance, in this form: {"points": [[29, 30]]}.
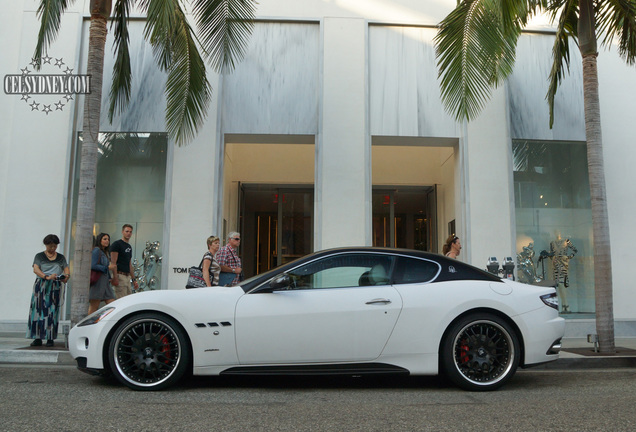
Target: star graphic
{"points": [[25, 97], [69, 97], [34, 106], [68, 71], [59, 63], [47, 109], [34, 62], [47, 59], [59, 105], [25, 71]]}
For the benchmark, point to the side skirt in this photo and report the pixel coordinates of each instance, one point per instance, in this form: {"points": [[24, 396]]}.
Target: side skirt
{"points": [[330, 369]]}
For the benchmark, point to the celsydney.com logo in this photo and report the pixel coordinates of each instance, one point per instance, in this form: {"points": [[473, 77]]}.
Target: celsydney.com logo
{"points": [[36, 89]]}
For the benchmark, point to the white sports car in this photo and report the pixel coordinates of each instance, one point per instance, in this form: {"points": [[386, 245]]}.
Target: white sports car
{"points": [[342, 311]]}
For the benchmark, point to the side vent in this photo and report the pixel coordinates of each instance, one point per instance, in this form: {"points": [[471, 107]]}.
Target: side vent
{"points": [[199, 325], [211, 324], [226, 323]]}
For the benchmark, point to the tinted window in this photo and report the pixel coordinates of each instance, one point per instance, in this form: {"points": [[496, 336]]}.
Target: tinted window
{"points": [[411, 270], [343, 270]]}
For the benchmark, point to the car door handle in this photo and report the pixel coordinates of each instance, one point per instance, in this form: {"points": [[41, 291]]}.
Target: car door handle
{"points": [[379, 301]]}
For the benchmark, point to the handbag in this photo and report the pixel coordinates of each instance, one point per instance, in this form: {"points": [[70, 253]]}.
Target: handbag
{"points": [[95, 275], [195, 277], [226, 278]]}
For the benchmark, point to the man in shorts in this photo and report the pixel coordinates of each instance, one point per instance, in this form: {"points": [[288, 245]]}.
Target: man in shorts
{"points": [[121, 255]]}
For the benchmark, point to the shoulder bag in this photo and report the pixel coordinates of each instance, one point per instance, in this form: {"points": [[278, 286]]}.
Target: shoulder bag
{"points": [[195, 277]]}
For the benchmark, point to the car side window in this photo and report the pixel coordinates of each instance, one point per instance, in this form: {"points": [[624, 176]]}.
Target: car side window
{"points": [[344, 270], [413, 270]]}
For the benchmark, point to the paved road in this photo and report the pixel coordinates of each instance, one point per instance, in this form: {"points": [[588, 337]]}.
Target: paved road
{"points": [[60, 398]]}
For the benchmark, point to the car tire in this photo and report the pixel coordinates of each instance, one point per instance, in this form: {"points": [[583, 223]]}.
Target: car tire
{"points": [[149, 351], [480, 352]]}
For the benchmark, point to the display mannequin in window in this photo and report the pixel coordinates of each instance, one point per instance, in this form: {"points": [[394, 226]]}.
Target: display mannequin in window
{"points": [[562, 251]]}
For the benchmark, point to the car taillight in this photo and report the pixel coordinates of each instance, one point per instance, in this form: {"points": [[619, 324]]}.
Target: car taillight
{"points": [[551, 300]]}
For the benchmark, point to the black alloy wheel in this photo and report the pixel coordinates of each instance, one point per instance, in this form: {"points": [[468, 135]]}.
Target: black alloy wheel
{"points": [[480, 352], [149, 352]]}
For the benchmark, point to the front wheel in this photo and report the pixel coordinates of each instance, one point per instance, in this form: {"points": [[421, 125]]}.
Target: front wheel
{"points": [[149, 352], [480, 352]]}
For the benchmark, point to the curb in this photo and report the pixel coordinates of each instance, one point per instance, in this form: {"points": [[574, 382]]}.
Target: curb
{"points": [[36, 357], [579, 363]]}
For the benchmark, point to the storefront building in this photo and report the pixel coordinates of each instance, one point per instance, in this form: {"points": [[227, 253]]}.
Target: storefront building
{"points": [[330, 133]]}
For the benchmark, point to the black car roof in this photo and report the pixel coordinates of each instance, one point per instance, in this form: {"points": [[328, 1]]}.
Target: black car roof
{"points": [[452, 269]]}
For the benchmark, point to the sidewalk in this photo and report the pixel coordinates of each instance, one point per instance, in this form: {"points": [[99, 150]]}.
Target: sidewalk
{"points": [[576, 353], [14, 348]]}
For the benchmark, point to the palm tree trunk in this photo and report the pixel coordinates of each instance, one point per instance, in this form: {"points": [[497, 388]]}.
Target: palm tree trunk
{"points": [[596, 168], [88, 170], [600, 221]]}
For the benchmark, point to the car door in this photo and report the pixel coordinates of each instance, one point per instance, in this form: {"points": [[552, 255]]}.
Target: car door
{"points": [[339, 308]]}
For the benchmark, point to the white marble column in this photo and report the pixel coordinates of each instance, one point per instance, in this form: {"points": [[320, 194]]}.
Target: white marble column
{"points": [[488, 198], [342, 152]]}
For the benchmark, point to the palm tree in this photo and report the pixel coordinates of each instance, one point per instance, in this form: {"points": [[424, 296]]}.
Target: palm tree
{"points": [[475, 48], [223, 28]]}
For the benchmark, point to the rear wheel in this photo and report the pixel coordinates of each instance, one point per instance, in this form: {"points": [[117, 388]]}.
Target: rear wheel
{"points": [[149, 352], [480, 352]]}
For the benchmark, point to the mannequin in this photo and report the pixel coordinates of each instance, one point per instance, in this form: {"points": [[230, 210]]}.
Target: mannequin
{"points": [[525, 259], [562, 251]]}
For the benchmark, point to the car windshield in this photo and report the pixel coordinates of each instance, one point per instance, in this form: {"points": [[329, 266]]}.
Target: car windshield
{"points": [[269, 273]]}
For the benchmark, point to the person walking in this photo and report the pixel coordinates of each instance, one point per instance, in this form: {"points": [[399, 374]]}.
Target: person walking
{"points": [[210, 267], [121, 256], [101, 290], [452, 247], [229, 261], [51, 269]]}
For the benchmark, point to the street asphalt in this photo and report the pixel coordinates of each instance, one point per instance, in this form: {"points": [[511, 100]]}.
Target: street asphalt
{"points": [[575, 353]]}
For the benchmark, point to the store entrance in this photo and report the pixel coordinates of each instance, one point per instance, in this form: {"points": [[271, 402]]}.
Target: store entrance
{"points": [[405, 218], [276, 225]]}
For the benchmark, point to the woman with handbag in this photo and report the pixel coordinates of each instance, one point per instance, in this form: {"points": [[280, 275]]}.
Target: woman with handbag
{"points": [[210, 268], [51, 270], [100, 289]]}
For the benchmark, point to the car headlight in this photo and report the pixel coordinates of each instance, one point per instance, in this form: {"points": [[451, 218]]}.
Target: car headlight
{"points": [[551, 300], [95, 317]]}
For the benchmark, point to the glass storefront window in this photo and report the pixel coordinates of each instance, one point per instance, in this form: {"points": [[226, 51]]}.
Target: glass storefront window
{"points": [[554, 220], [131, 179]]}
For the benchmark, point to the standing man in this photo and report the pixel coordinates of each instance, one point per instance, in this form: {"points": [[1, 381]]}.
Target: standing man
{"points": [[121, 255], [229, 261]]}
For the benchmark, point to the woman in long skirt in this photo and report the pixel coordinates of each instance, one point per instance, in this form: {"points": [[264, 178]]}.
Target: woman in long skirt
{"points": [[51, 269]]}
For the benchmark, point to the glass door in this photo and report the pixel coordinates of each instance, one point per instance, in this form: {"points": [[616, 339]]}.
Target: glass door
{"points": [[277, 226], [404, 218]]}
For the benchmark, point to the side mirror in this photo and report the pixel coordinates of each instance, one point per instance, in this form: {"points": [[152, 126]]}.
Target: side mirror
{"points": [[279, 282]]}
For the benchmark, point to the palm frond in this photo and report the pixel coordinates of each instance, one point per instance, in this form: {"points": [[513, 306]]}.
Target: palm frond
{"points": [[160, 26], [617, 19], [224, 28], [122, 76], [50, 14], [475, 49], [188, 90], [567, 27]]}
